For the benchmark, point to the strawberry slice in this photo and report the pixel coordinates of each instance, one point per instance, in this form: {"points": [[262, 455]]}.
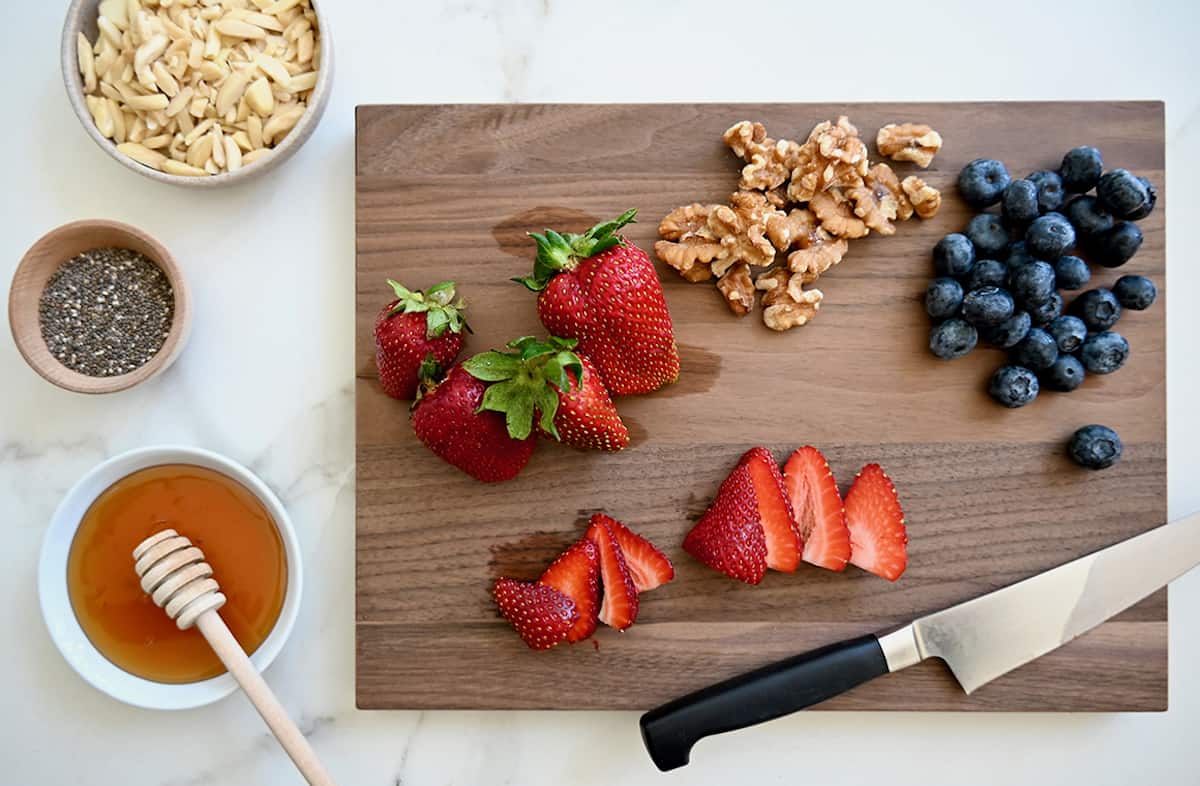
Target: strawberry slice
{"points": [[817, 507], [576, 574], [648, 566], [878, 540], [774, 510], [729, 537], [619, 607], [540, 613]]}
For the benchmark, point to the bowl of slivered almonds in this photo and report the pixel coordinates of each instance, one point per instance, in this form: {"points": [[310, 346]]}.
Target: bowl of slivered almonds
{"points": [[199, 93]]}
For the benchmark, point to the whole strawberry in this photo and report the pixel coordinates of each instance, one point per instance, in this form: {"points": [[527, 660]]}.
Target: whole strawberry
{"points": [[601, 290], [560, 388], [417, 334], [448, 419]]}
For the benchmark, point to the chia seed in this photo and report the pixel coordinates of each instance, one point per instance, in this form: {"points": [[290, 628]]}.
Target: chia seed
{"points": [[106, 312]]}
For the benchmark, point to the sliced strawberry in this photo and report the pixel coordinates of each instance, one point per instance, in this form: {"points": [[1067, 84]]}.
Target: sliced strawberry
{"points": [[648, 566], [540, 613], [878, 540], [620, 605], [729, 536], [576, 574], [817, 507], [774, 510]]}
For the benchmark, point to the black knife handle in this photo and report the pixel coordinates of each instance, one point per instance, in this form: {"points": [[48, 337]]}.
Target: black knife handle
{"points": [[671, 730]]}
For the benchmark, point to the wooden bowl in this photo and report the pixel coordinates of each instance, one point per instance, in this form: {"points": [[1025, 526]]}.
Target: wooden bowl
{"points": [[45, 257], [81, 17]]}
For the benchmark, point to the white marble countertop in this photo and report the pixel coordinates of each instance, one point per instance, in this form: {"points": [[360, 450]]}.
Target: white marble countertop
{"points": [[267, 377]]}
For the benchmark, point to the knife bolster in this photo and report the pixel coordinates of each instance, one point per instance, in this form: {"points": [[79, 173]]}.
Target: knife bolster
{"points": [[900, 648]]}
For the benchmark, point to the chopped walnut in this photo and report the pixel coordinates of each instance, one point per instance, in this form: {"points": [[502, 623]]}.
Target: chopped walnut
{"points": [[925, 198], [783, 231], [737, 288], [833, 157], [836, 217], [792, 313], [741, 229], [745, 138], [773, 285], [880, 199], [778, 196], [688, 245], [769, 162], [817, 255], [914, 142], [839, 142]]}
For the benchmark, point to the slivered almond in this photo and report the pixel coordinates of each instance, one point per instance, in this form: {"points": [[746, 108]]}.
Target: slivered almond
{"points": [[262, 5], [172, 167], [254, 130], [274, 69], [255, 155], [280, 123], [304, 47], [305, 81], [218, 146], [233, 155], [231, 91], [198, 107], [236, 28], [280, 7], [199, 152], [147, 103], [114, 11], [212, 43], [87, 63], [157, 142], [185, 122], [150, 51], [180, 101], [143, 155], [118, 120], [195, 53], [200, 130], [165, 81], [243, 141], [210, 71], [265, 21], [109, 31], [137, 131], [259, 97], [100, 115]]}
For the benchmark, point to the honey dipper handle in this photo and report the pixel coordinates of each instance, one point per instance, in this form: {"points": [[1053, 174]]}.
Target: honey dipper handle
{"points": [[256, 689]]}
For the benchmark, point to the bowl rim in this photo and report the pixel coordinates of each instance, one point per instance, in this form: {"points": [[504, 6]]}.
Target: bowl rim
{"points": [[55, 602], [73, 82], [23, 314]]}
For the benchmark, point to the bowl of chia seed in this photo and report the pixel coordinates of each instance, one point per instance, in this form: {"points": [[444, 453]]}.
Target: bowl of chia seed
{"points": [[98, 306]]}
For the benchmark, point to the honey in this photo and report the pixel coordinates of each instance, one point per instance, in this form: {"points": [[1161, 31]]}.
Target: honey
{"points": [[224, 519]]}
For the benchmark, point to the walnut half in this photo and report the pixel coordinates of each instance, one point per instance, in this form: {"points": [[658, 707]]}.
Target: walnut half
{"points": [[925, 198], [915, 142], [737, 289]]}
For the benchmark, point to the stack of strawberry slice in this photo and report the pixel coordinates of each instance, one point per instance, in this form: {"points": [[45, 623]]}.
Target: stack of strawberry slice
{"points": [[597, 579], [762, 518]]}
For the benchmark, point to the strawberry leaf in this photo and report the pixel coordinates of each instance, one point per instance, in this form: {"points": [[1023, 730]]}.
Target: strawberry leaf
{"points": [[436, 322], [514, 398], [493, 366], [557, 252], [547, 405]]}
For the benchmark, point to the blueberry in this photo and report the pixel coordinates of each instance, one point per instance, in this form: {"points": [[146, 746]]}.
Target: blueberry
{"points": [[952, 339], [1047, 311], [1020, 202], [1088, 217], [1121, 192], [987, 306], [1148, 205], [1098, 308], [1116, 246], [1037, 350], [1013, 386], [1049, 236], [1064, 374], [1135, 292], [1050, 189], [1104, 353], [943, 297], [1009, 332], [1033, 282], [953, 255], [1071, 272], [1095, 447], [986, 273], [987, 234], [1081, 168], [1018, 256], [982, 182], [1068, 333]]}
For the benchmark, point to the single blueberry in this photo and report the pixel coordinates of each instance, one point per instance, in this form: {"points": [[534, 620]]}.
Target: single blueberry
{"points": [[1037, 350], [1068, 333], [1020, 202], [1065, 374], [1013, 386], [1087, 216], [1147, 206], [1049, 236], [953, 255], [1047, 311], [1121, 192], [981, 183], [987, 234], [1071, 272], [952, 339], [1033, 282], [987, 306], [943, 297], [1095, 447], [1081, 168], [1009, 332], [1135, 292], [1116, 246], [1050, 189], [1104, 353], [986, 273], [1098, 308]]}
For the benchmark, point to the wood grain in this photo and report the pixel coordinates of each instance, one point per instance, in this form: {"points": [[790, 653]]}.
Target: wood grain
{"points": [[449, 192]]}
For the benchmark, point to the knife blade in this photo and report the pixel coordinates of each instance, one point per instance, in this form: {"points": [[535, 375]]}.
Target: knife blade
{"points": [[979, 639]]}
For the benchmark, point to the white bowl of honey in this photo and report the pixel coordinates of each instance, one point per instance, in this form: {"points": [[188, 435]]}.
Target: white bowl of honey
{"points": [[109, 630]]}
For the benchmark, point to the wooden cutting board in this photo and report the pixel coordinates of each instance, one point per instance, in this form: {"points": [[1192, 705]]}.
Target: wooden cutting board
{"points": [[448, 192]]}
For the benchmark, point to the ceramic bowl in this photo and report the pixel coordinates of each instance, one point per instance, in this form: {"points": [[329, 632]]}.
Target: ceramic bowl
{"points": [[60, 618], [45, 257], [81, 18]]}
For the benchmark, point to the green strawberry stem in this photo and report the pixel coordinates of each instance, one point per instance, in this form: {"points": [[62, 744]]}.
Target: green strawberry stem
{"points": [[525, 381], [557, 252], [437, 305]]}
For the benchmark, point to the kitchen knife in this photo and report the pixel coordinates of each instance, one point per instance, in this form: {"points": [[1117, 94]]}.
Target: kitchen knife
{"points": [[979, 640]]}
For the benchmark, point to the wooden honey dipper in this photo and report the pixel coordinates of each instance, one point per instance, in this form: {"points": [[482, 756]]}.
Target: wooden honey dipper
{"points": [[173, 572]]}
